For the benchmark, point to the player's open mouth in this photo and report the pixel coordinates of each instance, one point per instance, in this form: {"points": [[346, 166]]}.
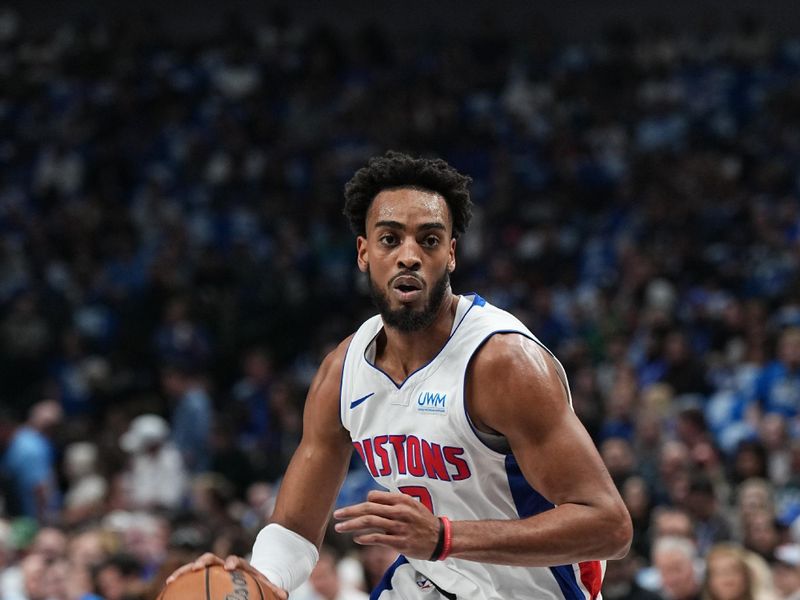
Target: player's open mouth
{"points": [[407, 288]]}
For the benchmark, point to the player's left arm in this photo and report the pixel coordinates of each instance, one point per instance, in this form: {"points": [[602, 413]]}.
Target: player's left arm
{"points": [[514, 388]]}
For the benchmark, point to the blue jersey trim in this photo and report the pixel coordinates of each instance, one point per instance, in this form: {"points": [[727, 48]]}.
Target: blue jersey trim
{"points": [[476, 301], [386, 580], [466, 371], [529, 502]]}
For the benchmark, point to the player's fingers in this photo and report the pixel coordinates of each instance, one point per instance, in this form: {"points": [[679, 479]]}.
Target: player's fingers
{"points": [[391, 498], [233, 562], [366, 508], [372, 522], [204, 561], [377, 539], [178, 572]]}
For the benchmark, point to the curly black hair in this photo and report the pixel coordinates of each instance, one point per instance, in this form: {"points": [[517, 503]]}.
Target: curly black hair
{"points": [[397, 170]]}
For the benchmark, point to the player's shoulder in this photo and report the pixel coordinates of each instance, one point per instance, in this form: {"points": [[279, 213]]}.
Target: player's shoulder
{"points": [[334, 360], [511, 352], [509, 373], [322, 403], [485, 319]]}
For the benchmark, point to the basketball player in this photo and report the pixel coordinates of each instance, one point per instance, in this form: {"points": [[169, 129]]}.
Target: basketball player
{"points": [[495, 490]]}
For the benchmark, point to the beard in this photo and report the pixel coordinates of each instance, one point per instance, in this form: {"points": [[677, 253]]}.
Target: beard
{"points": [[405, 318]]}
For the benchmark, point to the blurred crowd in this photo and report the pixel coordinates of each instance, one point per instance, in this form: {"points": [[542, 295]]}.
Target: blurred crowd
{"points": [[174, 264]]}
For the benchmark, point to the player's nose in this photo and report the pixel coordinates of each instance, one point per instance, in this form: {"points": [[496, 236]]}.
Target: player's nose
{"points": [[409, 255]]}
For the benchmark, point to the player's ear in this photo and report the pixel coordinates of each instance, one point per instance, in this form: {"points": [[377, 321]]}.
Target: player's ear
{"points": [[451, 259], [362, 254]]}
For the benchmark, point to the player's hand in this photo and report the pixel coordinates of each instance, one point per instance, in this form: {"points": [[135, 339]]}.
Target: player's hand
{"points": [[231, 563], [391, 519]]}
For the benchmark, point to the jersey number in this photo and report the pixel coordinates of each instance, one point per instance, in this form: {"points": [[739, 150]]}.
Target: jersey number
{"points": [[420, 493]]}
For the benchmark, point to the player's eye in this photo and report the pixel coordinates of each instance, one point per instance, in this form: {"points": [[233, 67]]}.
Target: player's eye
{"points": [[388, 239], [431, 241]]}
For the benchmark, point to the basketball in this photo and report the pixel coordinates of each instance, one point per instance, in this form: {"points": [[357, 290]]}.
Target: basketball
{"points": [[215, 583]]}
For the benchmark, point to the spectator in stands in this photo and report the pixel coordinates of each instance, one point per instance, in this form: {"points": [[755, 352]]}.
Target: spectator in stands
{"points": [[639, 503], [154, 459], [34, 583], [230, 459], [252, 396], [754, 497], [691, 428], [67, 581], [673, 469], [786, 571], [761, 534], [325, 582], [620, 582], [118, 578], [710, 524], [192, 416], [683, 371], [180, 339], [88, 548], [25, 335], [50, 542], [671, 522], [777, 388], [774, 436], [733, 573], [86, 493], [29, 462], [10, 573], [260, 501], [619, 459], [376, 559], [674, 558], [749, 461]]}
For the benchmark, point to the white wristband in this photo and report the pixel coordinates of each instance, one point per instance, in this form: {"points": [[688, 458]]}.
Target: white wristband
{"points": [[286, 558]]}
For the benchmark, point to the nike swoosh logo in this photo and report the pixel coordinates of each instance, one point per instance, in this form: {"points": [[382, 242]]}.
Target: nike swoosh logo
{"points": [[355, 403]]}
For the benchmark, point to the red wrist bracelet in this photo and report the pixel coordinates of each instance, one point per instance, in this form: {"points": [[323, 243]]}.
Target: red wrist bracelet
{"points": [[448, 538]]}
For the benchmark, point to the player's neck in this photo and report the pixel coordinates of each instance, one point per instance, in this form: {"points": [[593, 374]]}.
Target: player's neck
{"points": [[402, 352]]}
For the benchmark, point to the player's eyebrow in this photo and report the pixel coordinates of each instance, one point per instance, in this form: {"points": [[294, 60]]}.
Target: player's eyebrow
{"points": [[390, 224], [432, 225], [399, 225]]}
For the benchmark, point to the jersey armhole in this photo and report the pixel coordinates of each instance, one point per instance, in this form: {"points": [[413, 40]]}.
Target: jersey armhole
{"points": [[478, 434]]}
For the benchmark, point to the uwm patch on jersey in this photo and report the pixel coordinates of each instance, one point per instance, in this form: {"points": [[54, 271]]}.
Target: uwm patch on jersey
{"points": [[415, 437], [432, 403]]}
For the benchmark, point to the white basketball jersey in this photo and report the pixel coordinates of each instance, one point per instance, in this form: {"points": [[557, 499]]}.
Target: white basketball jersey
{"points": [[416, 438]]}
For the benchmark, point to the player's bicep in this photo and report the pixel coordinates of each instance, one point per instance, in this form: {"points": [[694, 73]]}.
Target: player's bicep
{"points": [[561, 461]]}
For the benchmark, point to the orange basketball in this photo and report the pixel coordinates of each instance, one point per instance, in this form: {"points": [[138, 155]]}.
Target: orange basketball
{"points": [[215, 583]]}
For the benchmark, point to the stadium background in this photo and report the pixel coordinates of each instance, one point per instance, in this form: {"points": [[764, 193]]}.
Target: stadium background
{"points": [[171, 244]]}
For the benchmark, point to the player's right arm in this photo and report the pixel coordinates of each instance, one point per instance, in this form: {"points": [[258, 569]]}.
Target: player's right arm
{"points": [[315, 473], [318, 467]]}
